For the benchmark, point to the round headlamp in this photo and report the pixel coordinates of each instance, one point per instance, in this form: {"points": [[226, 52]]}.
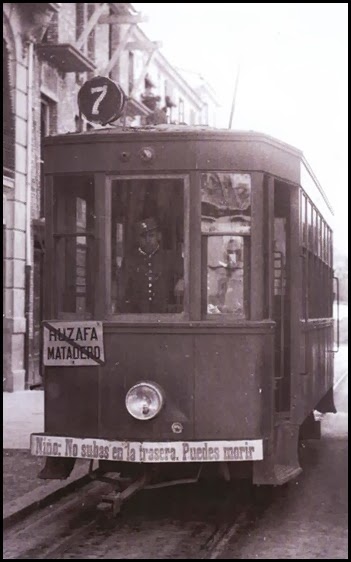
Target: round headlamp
{"points": [[144, 400]]}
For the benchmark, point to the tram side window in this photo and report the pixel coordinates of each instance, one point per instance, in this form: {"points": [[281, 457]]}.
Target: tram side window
{"points": [[317, 272], [147, 245], [226, 227], [279, 258], [74, 245], [303, 253]]}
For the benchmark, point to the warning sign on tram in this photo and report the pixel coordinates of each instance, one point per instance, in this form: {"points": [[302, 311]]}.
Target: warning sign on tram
{"points": [[73, 344]]}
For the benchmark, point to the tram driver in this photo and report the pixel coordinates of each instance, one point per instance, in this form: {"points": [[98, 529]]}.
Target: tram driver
{"points": [[153, 278]]}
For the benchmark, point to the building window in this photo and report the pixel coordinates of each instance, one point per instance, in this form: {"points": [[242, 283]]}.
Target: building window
{"points": [[205, 114], [48, 126], [83, 13], [91, 37], [80, 19], [130, 72], [51, 33], [9, 119]]}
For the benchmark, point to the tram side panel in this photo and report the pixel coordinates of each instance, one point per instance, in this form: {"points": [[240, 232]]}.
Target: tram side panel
{"points": [[314, 385]]}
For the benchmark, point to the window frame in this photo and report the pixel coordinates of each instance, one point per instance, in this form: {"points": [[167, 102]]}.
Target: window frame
{"points": [[181, 111], [131, 71], [48, 118], [225, 316], [141, 318], [58, 235], [317, 263], [9, 133]]}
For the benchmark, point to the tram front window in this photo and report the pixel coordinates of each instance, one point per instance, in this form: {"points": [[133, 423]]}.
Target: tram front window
{"points": [[227, 275], [226, 229], [74, 219], [147, 245]]}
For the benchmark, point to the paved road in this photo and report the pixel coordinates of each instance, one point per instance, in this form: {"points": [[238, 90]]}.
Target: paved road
{"points": [[310, 521]]}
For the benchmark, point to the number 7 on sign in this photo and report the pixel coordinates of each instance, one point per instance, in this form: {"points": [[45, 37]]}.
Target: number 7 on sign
{"points": [[102, 90]]}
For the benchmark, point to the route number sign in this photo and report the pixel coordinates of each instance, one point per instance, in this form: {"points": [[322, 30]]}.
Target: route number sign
{"points": [[101, 100]]}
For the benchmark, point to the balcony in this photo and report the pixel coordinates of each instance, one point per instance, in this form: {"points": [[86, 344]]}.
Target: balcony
{"points": [[65, 57], [33, 9], [36, 18]]}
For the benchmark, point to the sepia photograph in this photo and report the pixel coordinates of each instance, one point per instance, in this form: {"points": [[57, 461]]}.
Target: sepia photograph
{"points": [[175, 281]]}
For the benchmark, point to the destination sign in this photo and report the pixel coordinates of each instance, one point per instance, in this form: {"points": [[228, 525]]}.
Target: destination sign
{"points": [[73, 343]]}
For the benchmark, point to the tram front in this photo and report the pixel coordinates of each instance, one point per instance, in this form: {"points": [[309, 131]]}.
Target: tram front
{"points": [[158, 348]]}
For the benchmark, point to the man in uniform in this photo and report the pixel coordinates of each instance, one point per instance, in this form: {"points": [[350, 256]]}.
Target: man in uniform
{"points": [[153, 279]]}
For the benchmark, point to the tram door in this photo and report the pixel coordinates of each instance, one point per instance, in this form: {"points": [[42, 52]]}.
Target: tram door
{"points": [[281, 308]]}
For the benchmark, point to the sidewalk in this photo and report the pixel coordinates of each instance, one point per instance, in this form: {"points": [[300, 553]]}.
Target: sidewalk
{"points": [[23, 415], [23, 491], [340, 363]]}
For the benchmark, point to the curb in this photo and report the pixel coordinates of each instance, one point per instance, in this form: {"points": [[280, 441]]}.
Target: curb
{"points": [[341, 378], [19, 508]]}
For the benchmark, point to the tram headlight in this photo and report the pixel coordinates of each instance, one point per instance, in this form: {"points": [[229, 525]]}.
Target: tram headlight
{"points": [[144, 400]]}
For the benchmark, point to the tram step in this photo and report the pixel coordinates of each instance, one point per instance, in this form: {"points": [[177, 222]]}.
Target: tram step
{"points": [[277, 475], [280, 463], [284, 473], [56, 468]]}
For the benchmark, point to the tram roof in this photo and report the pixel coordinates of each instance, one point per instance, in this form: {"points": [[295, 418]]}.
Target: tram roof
{"points": [[163, 132], [186, 131]]}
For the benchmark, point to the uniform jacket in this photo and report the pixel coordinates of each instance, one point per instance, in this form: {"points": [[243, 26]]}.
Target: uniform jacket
{"points": [[149, 282]]}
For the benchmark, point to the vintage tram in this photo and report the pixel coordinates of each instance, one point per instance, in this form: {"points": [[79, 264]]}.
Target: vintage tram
{"points": [[221, 367]]}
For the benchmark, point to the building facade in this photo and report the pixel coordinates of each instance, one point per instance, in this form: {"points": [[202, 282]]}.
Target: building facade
{"points": [[49, 51]]}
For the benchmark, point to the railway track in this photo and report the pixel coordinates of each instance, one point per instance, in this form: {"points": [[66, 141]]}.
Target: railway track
{"points": [[53, 524], [194, 522]]}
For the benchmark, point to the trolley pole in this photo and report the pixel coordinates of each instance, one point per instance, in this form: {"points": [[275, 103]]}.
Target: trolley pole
{"points": [[234, 98]]}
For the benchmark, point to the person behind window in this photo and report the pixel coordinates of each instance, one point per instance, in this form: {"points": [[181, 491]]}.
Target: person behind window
{"points": [[153, 279], [225, 277]]}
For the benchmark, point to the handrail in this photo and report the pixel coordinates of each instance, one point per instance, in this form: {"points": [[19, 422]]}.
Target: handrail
{"points": [[281, 335], [304, 256]]}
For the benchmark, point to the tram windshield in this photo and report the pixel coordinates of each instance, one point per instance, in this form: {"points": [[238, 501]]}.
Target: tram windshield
{"points": [[147, 245]]}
